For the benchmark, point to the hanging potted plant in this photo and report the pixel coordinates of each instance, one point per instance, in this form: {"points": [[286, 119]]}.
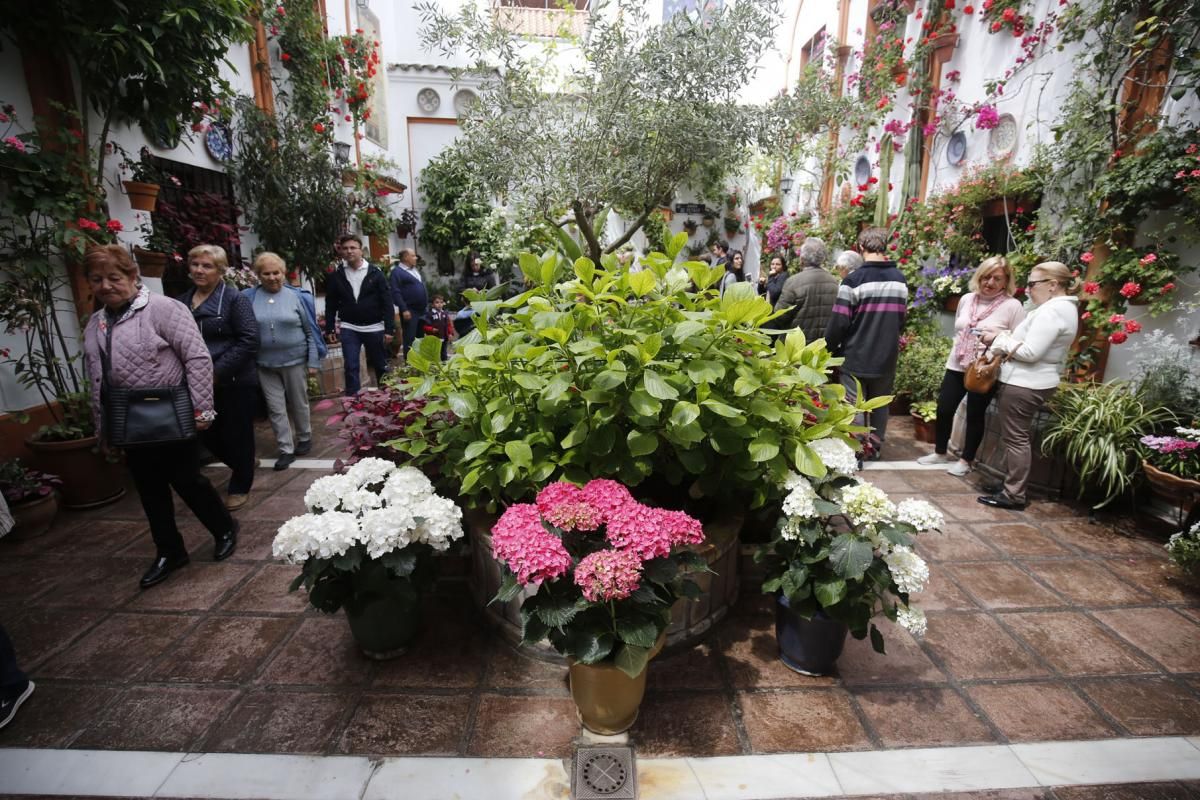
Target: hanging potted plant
{"points": [[600, 573], [733, 225], [31, 498], [152, 258], [842, 554], [366, 545], [144, 180], [406, 223]]}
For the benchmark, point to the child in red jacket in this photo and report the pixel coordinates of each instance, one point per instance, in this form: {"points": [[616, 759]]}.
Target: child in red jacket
{"points": [[440, 323]]}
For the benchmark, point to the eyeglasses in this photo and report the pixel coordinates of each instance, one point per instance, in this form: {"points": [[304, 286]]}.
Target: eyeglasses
{"points": [[1031, 284]]}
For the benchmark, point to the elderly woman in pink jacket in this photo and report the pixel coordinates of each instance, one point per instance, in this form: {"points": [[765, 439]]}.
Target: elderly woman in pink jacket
{"points": [[151, 341]]}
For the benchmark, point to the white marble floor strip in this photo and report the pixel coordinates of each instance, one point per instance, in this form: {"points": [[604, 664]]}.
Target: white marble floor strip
{"points": [[109, 773], [905, 465], [299, 463]]}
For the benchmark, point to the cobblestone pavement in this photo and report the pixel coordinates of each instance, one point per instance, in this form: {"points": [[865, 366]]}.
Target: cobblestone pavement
{"points": [[1042, 627]]}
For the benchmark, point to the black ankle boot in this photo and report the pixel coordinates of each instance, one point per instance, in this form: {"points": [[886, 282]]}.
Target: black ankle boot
{"points": [[161, 568], [226, 543]]}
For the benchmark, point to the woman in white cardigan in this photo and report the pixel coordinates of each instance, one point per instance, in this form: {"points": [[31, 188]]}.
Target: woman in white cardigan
{"points": [[1036, 351]]}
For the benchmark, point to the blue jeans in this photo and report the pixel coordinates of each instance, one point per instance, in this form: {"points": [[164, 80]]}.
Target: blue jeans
{"points": [[377, 357]]}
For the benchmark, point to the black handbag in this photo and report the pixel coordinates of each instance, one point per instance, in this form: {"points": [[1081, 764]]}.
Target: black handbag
{"points": [[140, 417]]}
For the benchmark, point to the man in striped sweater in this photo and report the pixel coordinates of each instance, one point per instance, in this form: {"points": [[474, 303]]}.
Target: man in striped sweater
{"points": [[868, 316]]}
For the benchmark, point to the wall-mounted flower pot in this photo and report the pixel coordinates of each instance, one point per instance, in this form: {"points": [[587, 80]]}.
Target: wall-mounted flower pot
{"points": [[150, 264], [142, 196], [1002, 206], [946, 41]]}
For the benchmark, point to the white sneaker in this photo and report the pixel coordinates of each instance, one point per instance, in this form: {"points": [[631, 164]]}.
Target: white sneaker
{"points": [[936, 458], [959, 468]]}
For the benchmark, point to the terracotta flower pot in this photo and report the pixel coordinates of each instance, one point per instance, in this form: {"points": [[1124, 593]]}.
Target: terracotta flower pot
{"points": [[607, 699], [923, 431], [150, 264], [88, 480], [951, 303], [33, 517], [142, 196]]}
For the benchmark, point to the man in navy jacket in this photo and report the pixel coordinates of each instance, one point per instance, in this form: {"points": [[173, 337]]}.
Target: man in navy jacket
{"points": [[409, 296]]}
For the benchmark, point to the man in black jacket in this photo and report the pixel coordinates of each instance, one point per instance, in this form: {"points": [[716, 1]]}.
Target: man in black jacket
{"points": [[356, 293]]}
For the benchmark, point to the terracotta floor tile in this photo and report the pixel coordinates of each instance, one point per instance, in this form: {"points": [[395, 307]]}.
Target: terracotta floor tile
{"points": [[904, 663], [198, 541], [509, 669], [152, 718], [119, 648], [450, 652], [753, 603], [955, 542], [937, 482], [23, 578], [966, 508], [1126, 791], [921, 717], [280, 506], [1101, 540], [222, 649], [1075, 645], [389, 725], [989, 794], [1019, 539], [802, 721], [1038, 712], [941, 593], [751, 654], [197, 587], [322, 653], [1160, 578], [99, 537], [55, 714], [524, 727], [696, 669], [1169, 638], [107, 583], [39, 632], [674, 725], [975, 646], [255, 538], [280, 722], [1148, 706], [1087, 583], [1002, 585], [890, 481], [267, 591]]}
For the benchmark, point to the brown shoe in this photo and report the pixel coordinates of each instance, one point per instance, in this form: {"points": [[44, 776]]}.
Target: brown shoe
{"points": [[235, 501]]}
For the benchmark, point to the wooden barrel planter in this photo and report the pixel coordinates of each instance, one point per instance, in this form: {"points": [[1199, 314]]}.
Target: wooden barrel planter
{"points": [[690, 619], [1179, 492]]}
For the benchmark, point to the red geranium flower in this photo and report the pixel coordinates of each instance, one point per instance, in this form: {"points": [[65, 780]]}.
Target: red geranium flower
{"points": [[1117, 337], [1132, 326], [114, 226]]}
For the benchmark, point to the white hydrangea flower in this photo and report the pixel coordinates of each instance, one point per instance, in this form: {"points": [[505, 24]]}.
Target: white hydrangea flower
{"points": [[336, 532], [406, 486], [867, 504], [836, 455], [370, 471], [799, 502], [1190, 432], [294, 542], [908, 569], [912, 619], [440, 521], [361, 500], [387, 529], [326, 493], [920, 514]]}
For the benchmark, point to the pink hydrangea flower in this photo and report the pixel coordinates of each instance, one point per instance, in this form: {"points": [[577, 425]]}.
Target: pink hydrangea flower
{"points": [[606, 496], [563, 506], [651, 532], [608, 575], [520, 540]]}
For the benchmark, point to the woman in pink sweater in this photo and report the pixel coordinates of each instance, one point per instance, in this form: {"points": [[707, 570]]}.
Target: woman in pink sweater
{"points": [[152, 341], [990, 306]]}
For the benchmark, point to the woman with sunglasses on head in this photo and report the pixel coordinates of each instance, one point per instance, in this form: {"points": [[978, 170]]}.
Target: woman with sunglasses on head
{"points": [[1035, 353]]}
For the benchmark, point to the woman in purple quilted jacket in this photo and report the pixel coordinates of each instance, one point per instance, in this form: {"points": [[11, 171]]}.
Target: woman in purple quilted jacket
{"points": [[153, 341]]}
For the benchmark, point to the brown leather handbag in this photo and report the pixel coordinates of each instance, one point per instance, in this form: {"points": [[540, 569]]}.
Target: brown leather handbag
{"points": [[982, 373]]}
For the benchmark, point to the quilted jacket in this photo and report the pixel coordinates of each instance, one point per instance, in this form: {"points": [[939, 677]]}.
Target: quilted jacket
{"points": [[226, 321], [154, 343]]}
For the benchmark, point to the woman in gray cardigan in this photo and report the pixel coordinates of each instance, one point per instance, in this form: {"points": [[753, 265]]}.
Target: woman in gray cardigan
{"points": [[287, 355]]}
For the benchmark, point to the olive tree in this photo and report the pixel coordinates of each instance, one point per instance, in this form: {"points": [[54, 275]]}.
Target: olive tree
{"points": [[640, 111]]}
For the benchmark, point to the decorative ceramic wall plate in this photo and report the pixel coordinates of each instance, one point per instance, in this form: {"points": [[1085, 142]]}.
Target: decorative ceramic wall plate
{"points": [[464, 100], [1002, 140], [956, 148], [862, 170], [428, 100], [219, 141]]}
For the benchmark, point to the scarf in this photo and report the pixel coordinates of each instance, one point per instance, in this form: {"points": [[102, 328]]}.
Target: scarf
{"points": [[966, 346]]}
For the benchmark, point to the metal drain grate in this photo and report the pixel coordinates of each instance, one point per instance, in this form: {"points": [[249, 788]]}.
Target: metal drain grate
{"points": [[603, 773]]}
